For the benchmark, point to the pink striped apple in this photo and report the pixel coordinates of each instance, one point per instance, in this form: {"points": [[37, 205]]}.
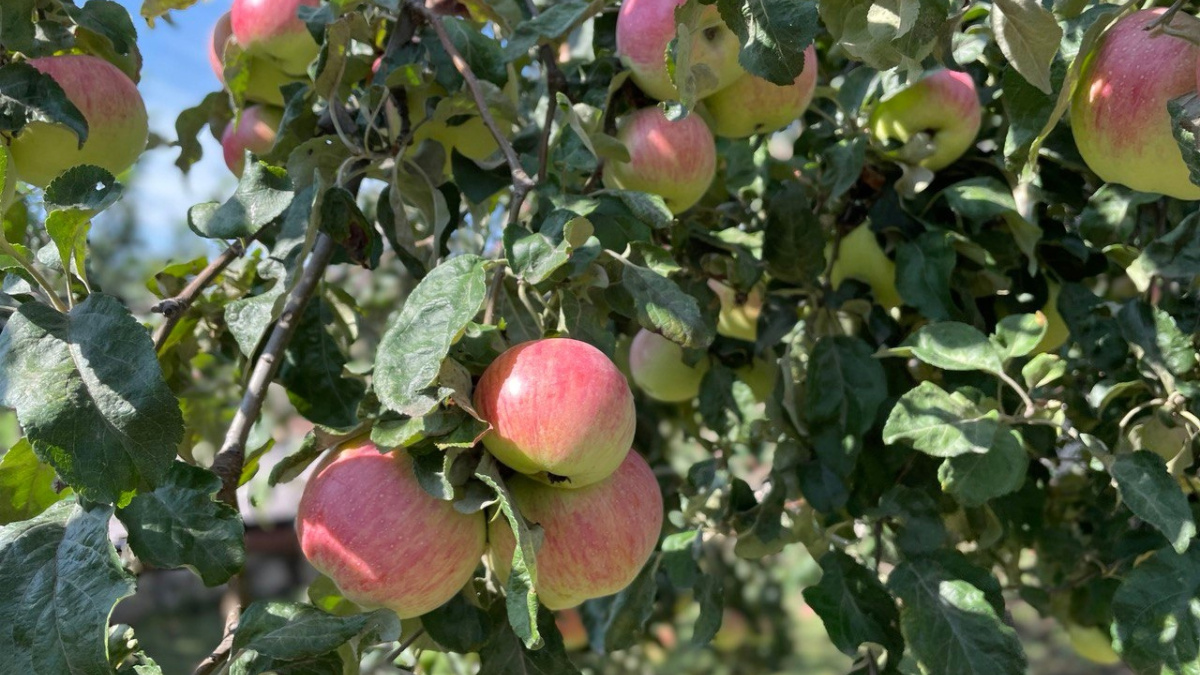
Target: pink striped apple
{"points": [[752, 105], [273, 29], [366, 523], [560, 411], [646, 27], [658, 369], [255, 131], [114, 110], [943, 105], [597, 538], [266, 78], [1119, 110], [676, 160]]}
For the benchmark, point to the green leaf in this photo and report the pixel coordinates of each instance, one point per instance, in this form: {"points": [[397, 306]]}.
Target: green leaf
{"points": [[941, 424], [854, 606], [532, 255], [1042, 370], [972, 479], [90, 394], [458, 625], [773, 34], [16, 25], [105, 29], [506, 655], [889, 33], [1174, 255], [664, 308], [419, 336], [628, 611], [793, 244], [313, 371], [1185, 123], [262, 195], [1028, 36], [1156, 340], [59, 580], [487, 60], [1154, 496], [1017, 334], [710, 594], [26, 485], [521, 599], [923, 269], [845, 385], [950, 624], [27, 95], [555, 21], [189, 124], [289, 631], [690, 79], [950, 345], [83, 188], [1156, 614], [181, 524]]}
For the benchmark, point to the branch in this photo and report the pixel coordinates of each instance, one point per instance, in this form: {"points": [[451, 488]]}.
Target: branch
{"points": [[555, 82], [174, 308], [231, 602], [489, 311]]}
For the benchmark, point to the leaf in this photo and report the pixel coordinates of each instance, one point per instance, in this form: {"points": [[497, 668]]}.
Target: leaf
{"points": [[941, 424], [289, 631], [1156, 614], [629, 610], [90, 394], [950, 625], [664, 308], [950, 345], [532, 255], [1017, 335], [854, 606], [59, 580], [1028, 36], [923, 269], [521, 603], [793, 244], [181, 524], [1154, 496], [710, 594], [27, 95], [313, 371], [845, 385], [16, 25], [973, 479], [555, 21], [262, 195], [506, 655], [458, 625], [773, 34], [886, 33], [483, 53], [1174, 255], [1156, 340], [419, 336], [1185, 123], [83, 188], [26, 484]]}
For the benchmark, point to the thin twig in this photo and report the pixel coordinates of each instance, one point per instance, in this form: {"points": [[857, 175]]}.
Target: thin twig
{"points": [[1025, 400], [489, 310], [231, 603], [556, 82], [395, 653], [174, 308]]}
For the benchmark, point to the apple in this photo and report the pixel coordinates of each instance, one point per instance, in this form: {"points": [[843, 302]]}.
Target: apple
{"points": [[734, 631], [597, 538], [1119, 109], [760, 377], [739, 312], [570, 626], [943, 105], [657, 367], [1092, 644], [456, 123], [1057, 331], [752, 105], [646, 27], [1154, 435], [273, 29], [266, 78], [676, 160], [860, 257], [255, 131], [115, 113], [559, 409], [365, 522]]}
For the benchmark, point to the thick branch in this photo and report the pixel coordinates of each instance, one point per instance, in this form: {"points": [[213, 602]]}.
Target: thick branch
{"points": [[174, 308]]}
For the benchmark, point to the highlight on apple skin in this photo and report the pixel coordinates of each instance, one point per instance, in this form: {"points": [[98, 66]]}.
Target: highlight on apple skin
{"points": [[646, 27], [1119, 109], [597, 538], [560, 411], [273, 29], [752, 105], [110, 102], [676, 160], [944, 105], [658, 369], [266, 78], [860, 257], [365, 522], [255, 131]]}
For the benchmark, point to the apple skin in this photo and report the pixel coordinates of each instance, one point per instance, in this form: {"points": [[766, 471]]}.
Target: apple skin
{"points": [[1092, 644], [597, 538], [943, 103], [117, 124], [646, 27], [1155, 436], [557, 406], [570, 626], [1119, 110], [365, 522], [739, 316], [860, 257], [674, 160], [254, 132], [752, 105], [273, 29], [657, 367], [265, 77], [760, 377], [733, 633], [1057, 331]]}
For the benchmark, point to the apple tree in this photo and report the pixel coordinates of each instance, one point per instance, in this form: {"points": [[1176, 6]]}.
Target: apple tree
{"points": [[627, 332]]}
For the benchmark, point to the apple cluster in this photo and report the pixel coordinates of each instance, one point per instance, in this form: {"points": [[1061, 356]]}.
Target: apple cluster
{"points": [[562, 418]]}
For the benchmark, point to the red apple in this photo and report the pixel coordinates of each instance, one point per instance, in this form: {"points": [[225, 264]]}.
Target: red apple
{"points": [[255, 131], [646, 27], [752, 105], [114, 110], [266, 78], [597, 538], [365, 522], [560, 410], [273, 29], [657, 367], [674, 160], [943, 105], [1119, 110], [570, 626]]}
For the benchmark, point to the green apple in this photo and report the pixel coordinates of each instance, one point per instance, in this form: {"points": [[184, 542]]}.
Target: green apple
{"points": [[752, 105], [645, 28], [658, 368], [1092, 644], [676, 160], [943, 105], [760, 377], [1057, 331], [116, 115], [860, 257], [1154, 435], [273, 30], [739, 312], [1119, 110]]}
